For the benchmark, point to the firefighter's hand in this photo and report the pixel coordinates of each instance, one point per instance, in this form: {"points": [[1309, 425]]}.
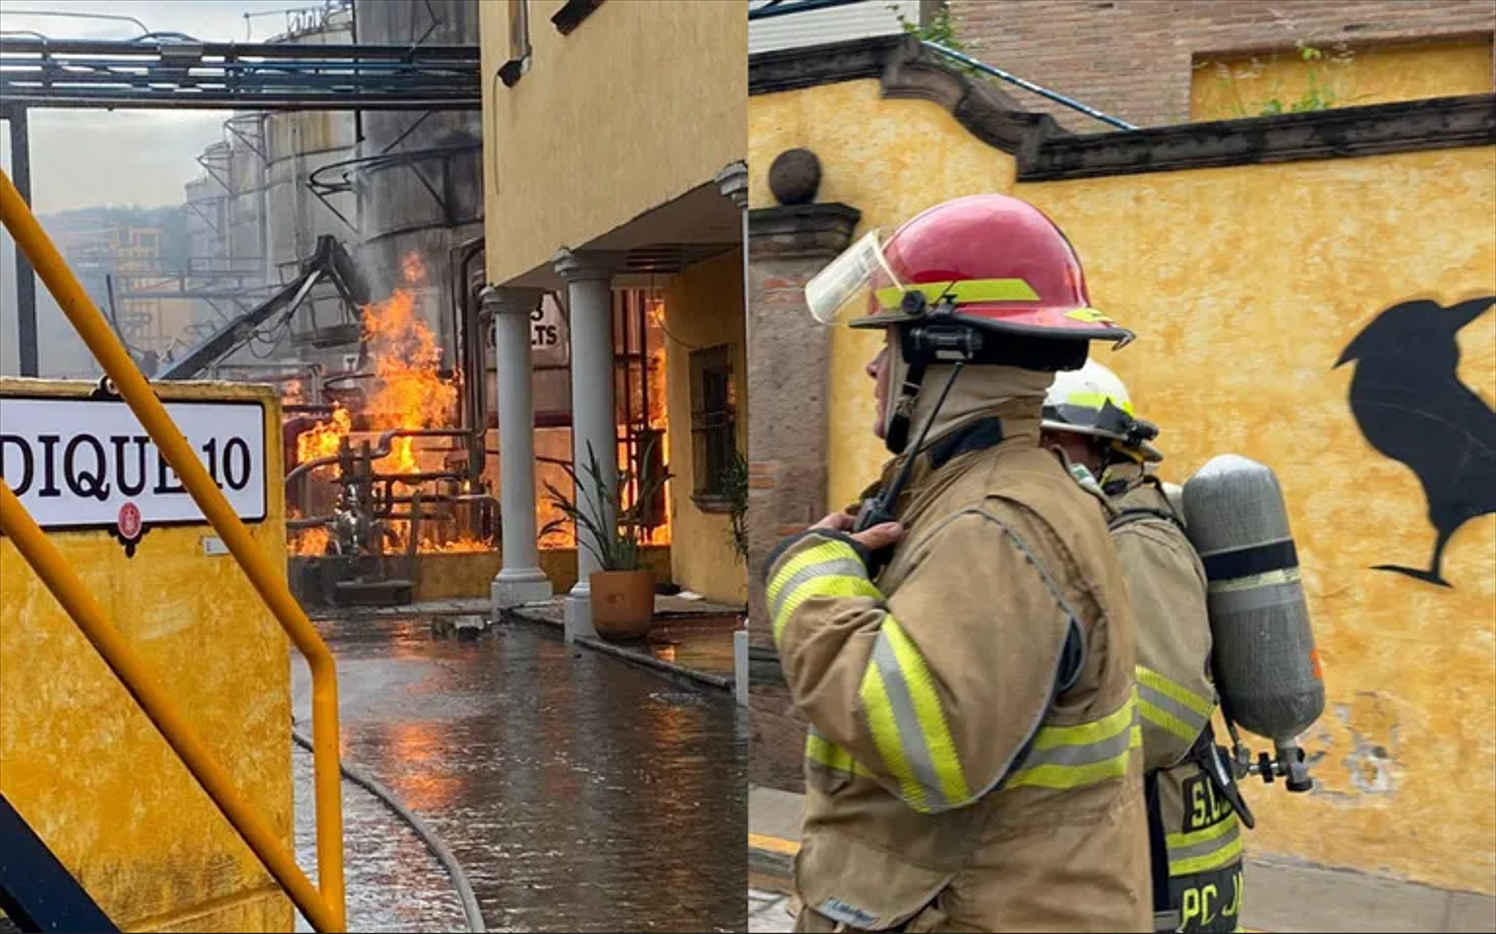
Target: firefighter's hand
{"points": [[874, 539]]}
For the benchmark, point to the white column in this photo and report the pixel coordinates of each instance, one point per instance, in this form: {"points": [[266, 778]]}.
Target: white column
{"points": [[520, 580], [589, 280]]}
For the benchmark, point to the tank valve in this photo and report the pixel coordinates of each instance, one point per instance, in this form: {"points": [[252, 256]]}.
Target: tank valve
{"points": [[1289, 763], [1293, 766]]}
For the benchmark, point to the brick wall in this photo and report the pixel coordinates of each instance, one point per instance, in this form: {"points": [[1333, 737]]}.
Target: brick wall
{"points": [[1132, 58]]}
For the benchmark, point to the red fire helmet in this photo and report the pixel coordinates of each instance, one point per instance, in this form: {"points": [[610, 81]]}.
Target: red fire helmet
{"points": [[1001, 264]]}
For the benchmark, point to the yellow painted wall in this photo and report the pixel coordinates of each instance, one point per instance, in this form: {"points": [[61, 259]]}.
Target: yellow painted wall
{"points": [[1241, 86], [640, 104], [1244, 285], [703, 308], [85, 767]]}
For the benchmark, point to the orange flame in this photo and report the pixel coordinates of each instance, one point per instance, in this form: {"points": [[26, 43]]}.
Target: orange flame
{"points": [[292, 392], [309, 541], [658, 405], [322, 439], [413, 268], [408, 391], [397, 534]]}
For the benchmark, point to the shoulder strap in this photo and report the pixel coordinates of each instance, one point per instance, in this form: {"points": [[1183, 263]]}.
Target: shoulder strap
{"points": [[1139, 513]]}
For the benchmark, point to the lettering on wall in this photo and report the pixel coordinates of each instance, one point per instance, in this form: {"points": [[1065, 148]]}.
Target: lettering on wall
{"points": [[549, 338], [1408, 400], [80, 464]]}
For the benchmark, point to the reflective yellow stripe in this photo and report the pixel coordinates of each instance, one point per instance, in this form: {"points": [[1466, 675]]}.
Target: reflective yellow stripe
{"points": [[1206, 849], [1267, 578], [1090, 316], [1084, 734], [826, 551], [1085, 754], [885, 732], [1195, 837], [962, 293], [1215, 860], [939, 746], [1095, 400], [830, 586], [1152, 679], [1166, 721], [823, 751]]}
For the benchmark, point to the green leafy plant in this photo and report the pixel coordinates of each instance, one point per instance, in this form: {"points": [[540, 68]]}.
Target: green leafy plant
{"points": [[939, 28], [1323, 82], [735, 488], [619, 546]]}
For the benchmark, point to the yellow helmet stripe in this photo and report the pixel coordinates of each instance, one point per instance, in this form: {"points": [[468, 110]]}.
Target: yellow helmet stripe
{"points": [[1095, 400], [1090, 316], [964, 292]]}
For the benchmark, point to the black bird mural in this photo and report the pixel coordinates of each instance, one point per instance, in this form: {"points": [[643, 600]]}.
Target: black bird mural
{"points": [[1408, 400]]}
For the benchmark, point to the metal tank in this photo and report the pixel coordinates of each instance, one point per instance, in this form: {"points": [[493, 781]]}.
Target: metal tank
{"points": [[420, 181], [1267, 669], [297, 144]]}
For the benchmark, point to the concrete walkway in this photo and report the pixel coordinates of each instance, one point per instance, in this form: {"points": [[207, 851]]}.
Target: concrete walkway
{"points": [[690, 639], [1281, 897]]}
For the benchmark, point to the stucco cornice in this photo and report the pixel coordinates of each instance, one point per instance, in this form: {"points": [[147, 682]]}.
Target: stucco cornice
{"points": [[1045, 151]]}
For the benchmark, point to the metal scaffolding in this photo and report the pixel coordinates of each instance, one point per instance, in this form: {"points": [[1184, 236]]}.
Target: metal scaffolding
{"points": [[156, 71]]}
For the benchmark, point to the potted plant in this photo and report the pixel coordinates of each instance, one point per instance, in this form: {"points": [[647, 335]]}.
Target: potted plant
{"points": [[735, 488], [623, 590]]}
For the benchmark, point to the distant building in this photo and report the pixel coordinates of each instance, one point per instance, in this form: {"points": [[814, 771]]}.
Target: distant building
{"points": [[614, 140], [1158, 62]]}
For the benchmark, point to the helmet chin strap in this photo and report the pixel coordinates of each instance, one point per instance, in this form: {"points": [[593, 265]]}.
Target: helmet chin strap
{"points": [[896, 436], [878, 510]]}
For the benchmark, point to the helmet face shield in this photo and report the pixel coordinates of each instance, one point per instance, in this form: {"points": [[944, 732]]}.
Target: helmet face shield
{"points": [[851, 284]]}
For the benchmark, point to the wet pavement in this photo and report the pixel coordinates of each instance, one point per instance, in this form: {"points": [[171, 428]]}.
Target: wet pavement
{"points": [[579, 792], [701, 644]]}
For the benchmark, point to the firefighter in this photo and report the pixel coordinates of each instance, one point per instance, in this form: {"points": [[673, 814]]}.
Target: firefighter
{"points": [[963, 648], [1194, 830]]}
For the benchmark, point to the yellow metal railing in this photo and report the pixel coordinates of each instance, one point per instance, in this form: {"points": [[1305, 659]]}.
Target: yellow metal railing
{"points": [[324, 911]]}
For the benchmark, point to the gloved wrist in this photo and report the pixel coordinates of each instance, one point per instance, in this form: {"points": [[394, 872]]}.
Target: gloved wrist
{"points": [[821, 534]]}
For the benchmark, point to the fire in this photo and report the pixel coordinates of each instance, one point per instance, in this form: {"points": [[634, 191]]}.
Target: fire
{"points": [[309, 541], [413, 268], [398, 535], [457, 545], [408, 391], [658, 405], [292, 392], [322, 439]]}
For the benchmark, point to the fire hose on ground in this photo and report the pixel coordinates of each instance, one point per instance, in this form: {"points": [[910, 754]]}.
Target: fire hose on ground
{"points": [[433, 843]]}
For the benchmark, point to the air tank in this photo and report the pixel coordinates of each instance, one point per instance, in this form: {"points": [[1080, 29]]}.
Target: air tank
{"points": [[1267, 668]]}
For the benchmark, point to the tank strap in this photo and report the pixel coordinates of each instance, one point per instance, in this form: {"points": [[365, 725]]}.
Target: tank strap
{"points": [[1158, 850], [1137, 514]]}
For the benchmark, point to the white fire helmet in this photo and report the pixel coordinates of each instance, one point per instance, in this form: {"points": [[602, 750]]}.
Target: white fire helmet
{"points": [[1093, 401]]}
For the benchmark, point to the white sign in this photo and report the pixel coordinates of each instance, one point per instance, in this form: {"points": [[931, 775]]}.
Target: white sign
{"points": [[87, 463], [549, 339]]}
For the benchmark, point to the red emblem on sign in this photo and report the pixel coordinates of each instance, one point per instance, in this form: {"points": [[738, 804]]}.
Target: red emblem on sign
{"points": [[129, 521]]}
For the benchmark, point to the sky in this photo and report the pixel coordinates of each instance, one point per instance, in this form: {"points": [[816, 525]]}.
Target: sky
{"points": [[87, 158], [83, 158]]}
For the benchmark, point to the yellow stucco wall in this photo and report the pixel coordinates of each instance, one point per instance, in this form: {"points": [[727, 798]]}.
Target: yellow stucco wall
{"points": [[640, 104], [1244, 285], [703, 308], [1229, 88], [86, 768]]}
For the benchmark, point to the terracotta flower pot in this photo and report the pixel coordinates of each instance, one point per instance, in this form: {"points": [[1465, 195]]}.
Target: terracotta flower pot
{"points": [[622, 603]]}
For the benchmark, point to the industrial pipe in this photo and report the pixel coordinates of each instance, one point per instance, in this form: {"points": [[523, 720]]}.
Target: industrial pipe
{"points": [[267, 579]]}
